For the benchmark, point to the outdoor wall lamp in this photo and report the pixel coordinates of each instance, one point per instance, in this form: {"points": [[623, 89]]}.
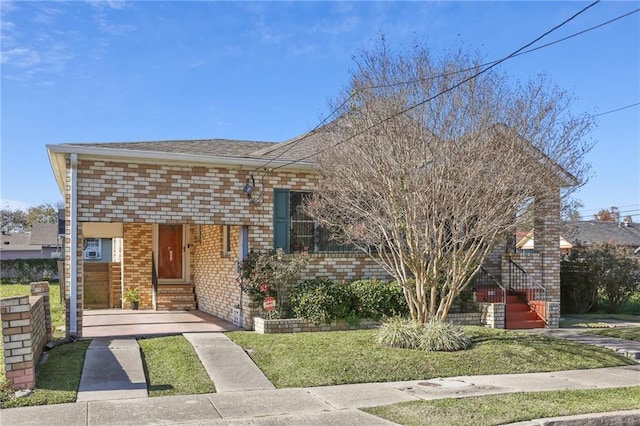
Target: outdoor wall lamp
{"points": [[248, 186], [251, 190]]}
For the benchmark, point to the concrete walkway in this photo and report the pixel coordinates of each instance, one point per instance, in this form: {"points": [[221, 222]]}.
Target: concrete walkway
{"points": [[112, 370], [628, 348], [327, 405], [228, 365]]}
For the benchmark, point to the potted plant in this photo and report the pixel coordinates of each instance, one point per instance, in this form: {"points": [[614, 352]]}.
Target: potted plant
{"points": [[132, 295]]}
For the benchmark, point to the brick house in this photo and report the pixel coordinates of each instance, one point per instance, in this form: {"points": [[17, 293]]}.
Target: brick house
{"points": [[185, 212]]}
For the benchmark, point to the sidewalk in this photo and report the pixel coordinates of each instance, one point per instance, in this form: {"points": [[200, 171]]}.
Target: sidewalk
{"points": [[113, 390], [337, 405]]}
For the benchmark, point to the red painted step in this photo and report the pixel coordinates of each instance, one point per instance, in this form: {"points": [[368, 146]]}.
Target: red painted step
{"points": [[520, 316], [522, 325]]}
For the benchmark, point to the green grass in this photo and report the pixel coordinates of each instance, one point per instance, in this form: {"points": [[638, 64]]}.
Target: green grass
{"points": [[628, 333], [596, 320], [499, 409], [57, 316], [172, 367], [318, 359], [57, 379]]}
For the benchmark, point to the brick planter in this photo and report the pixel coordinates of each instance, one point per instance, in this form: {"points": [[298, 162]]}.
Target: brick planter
{"points": [[298, 325]]}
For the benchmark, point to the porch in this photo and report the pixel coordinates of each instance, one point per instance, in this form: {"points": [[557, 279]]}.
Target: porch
{"points": [[122, 322]]}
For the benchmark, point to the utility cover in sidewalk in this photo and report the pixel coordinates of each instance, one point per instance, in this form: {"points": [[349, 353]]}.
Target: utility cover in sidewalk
{"points": [[444, 383]]}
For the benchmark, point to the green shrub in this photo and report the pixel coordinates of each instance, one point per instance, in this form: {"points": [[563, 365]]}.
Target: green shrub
{"points": [[604, 271], [399, 332], [322, 301], [439, 336], [28, 270], [378, 299]]}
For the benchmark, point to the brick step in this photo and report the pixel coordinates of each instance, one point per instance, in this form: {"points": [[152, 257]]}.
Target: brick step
{"points": [[168, 294], [175, 291], [521, 325], [177, 308]]}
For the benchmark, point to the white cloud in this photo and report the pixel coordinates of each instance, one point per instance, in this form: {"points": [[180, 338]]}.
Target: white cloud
{"points": [[13, 204], [21, 57]]}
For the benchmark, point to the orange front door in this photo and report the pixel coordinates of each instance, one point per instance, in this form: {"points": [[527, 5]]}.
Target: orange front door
{"points": [[170, 252]]}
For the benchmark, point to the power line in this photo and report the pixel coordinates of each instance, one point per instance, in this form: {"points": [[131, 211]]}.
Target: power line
{"points": [[619, 207], [616, 110], [455, 86], [332, 113]]}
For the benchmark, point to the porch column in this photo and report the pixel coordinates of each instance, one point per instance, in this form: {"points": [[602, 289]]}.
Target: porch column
{"points": [[547, 245], [73, 246]]}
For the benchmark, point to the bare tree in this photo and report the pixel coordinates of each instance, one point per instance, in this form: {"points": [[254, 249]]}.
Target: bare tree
{"points": [[429, 189]]}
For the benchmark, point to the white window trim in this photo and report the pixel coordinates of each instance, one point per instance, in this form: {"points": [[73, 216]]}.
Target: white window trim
{"points": [[226, 241]]}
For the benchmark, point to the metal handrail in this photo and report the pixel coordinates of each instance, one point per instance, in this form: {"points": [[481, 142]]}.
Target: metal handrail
{"points": [[520, 282], [154, 280], [484, 280]]}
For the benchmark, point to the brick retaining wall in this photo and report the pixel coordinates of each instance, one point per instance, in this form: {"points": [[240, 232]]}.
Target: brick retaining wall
{"points": [[26, 328], [490, 315]]}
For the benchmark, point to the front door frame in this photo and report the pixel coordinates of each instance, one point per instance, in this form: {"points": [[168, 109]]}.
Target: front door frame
{"points": [[185, 255]]}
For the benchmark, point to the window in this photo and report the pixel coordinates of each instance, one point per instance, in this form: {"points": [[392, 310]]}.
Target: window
{"points": [[294, 231], [226, 240], [92, 248]]}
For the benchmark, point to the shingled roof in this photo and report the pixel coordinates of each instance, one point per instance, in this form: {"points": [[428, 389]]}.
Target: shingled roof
{"points": [[44, 234], [206, 147], [598, 232]]}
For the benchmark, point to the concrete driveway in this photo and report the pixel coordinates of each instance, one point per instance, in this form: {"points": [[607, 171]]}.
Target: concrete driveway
{"points": [[124, 323]]}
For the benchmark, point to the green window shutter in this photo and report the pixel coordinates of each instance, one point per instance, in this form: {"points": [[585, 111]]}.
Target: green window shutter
{"points": [[281, 219]]}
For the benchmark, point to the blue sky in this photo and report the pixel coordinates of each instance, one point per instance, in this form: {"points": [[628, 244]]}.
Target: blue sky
{"points": [[131, 71]]}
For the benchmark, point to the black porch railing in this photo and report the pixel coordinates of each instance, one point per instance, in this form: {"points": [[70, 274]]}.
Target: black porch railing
{"points": [[154, 280], [488, 289], [527, 288]]}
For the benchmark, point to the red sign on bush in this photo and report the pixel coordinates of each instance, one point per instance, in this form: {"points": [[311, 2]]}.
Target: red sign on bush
{"points": [[269, 303]]}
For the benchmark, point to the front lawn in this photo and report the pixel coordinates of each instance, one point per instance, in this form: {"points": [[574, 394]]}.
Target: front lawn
{"points": [[596, 320], [628, 333], [499, 409], [57, 379], [319, 359], [172, 367]]}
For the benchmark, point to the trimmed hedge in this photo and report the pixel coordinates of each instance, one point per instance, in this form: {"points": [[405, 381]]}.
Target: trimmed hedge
{"points": [[323, 301], [27, 270]]}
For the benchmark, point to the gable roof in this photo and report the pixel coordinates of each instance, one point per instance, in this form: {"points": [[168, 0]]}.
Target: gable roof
{"points": [[598, 232], [41, 235], [18, 241], [294, 154]]}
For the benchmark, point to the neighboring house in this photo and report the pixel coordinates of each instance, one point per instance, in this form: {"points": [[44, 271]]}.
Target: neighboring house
{"points": [[526, 243], [41, 243], [623, 234], [184, 213]]}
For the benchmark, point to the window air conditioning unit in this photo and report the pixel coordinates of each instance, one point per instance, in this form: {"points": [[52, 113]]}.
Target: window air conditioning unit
{"points": [[92, 254]]}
